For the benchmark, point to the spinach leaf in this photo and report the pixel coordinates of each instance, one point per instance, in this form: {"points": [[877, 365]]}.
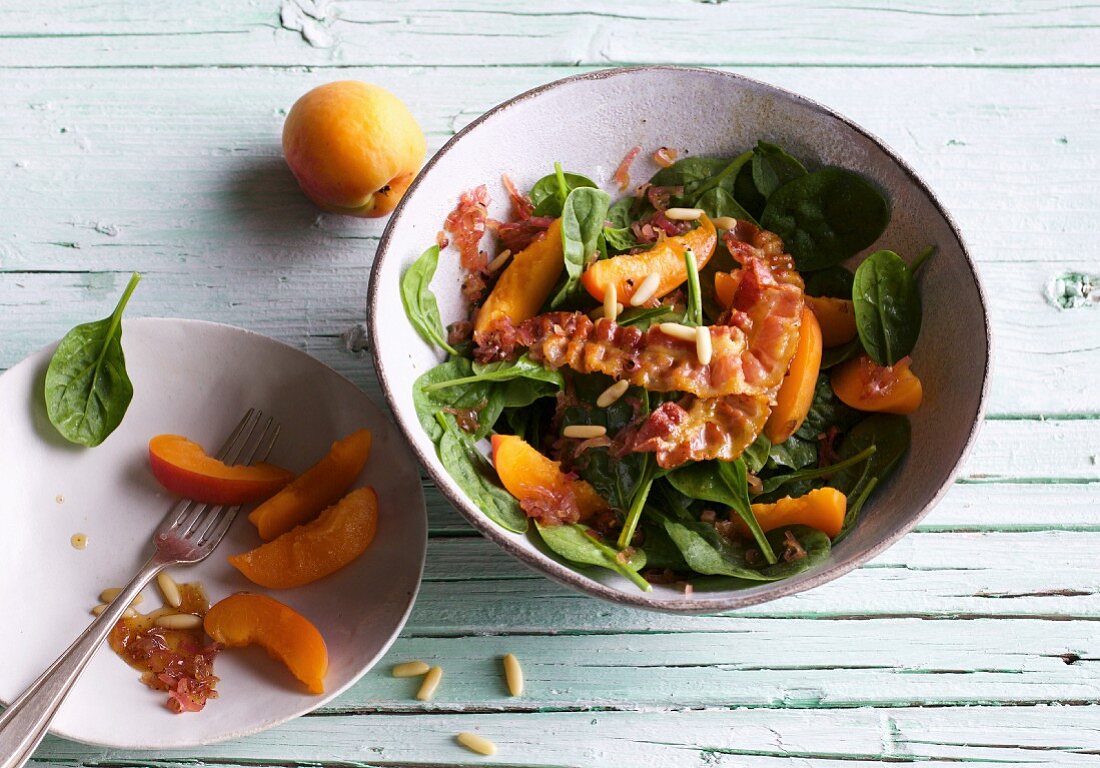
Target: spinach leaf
{"points": [[890, 436], [826, 411], [887, 307], [772, 167], [87, 388], [706, 551], [771, 484], [834, 356], [549, 193], [523, 367], [722, 482], [688, 173], [521, 393], [618, 235], [472, 395], [815, 543], [476, 476], [719, 202], [582, 221], [834, 282], [660, 549], [826, 216], [573, 542], [794, 453], [420, 305], [645, 317], [756, 455], [746, 193]]}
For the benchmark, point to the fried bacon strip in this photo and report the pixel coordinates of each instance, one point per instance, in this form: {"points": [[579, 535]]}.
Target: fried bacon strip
{"points": [[649, 359], [466, 225], [698, 429]]}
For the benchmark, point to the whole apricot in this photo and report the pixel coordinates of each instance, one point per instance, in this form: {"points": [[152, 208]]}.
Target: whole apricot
{"points": [[354, 147]]}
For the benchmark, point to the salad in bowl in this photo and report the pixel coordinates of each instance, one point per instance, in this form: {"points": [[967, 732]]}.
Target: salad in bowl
{"points": [[678, 381]]}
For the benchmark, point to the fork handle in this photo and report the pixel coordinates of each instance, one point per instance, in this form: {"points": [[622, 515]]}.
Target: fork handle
{"points": [[25, 723]]}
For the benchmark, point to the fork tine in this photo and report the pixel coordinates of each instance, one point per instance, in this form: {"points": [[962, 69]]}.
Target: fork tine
{"points": [[231, 452], [242, 437], [260, 452], [224, 450]]}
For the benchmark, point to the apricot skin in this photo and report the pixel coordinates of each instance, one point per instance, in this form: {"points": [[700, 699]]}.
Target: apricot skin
{"points": [[353, 147], [901, 393], [796, 393], [526, 282], [312, 551], [183, 468], [822, 509], [320, 486], [248, 619], [523, 471]]}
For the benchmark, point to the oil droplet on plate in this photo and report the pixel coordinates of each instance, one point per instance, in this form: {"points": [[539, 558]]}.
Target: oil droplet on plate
{"points": [[59, 499], [79, 540]]}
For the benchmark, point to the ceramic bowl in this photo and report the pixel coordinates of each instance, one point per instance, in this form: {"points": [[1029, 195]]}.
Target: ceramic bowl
{"points": [[588, 122]]}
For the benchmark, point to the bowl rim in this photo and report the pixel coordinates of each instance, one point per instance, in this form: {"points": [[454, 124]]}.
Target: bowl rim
{"points": [[561, 573]]}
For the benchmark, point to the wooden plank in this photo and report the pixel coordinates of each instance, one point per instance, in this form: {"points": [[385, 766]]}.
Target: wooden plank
{"points": [[755, 738], [201, 197], [478, 32]]}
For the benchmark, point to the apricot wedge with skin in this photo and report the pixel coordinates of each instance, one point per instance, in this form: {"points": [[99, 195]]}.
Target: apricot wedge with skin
{"points": [[184, 468], [247, 619], [320, 486], [822, 509], [312, 551], [796, 393], [867, 386], [526, 283], [666, 259], [530, 476], [836, 317]]}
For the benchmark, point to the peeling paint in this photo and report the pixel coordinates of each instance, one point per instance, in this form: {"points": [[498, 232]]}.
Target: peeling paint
{"points": [[308, 18], [1073, 290]]}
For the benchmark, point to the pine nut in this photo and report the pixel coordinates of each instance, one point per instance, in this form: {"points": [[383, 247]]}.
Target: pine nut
{"points": [[584, 431], [678, 331], [410, 669], [431, 682], [683, 214], [513, 675], [725, 222], [611, 302], [499, 261], [179, 621], [598, 312], [129, 613], [111, 593], [646, 290], [170, 589], [703, 349], [612, 393], [476, 743]]}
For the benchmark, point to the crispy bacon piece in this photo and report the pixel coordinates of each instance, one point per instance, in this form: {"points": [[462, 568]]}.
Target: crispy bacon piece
{"points": [[699, 429], [622, 173], [649, 359], [522, 206], [747, 242], [656, 227], [497, 342], [517, 235], [551, 506], [661, 197], [466, 223], [665, 156]]}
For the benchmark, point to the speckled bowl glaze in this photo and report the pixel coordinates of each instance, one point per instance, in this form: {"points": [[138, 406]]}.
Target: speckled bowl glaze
{"points": [[588, 122]]}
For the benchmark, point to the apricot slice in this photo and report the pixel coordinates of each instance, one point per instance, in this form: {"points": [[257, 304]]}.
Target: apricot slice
{"points": [[666, 259], [183, 468], [526, 283], [288, 636], [796, 393], [867, 386], [725, 286], [822, 509], [320, 486], [836, 318], [532, 477]]}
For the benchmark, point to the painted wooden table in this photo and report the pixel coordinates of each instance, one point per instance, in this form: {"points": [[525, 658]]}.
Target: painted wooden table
{"points": [[145, 136]]}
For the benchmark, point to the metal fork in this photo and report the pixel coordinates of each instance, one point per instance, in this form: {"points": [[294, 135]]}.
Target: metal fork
{"points": [[188, 534]]}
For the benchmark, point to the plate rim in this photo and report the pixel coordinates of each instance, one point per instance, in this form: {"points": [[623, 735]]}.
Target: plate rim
{"points": [[328, 696], [570, 578]]}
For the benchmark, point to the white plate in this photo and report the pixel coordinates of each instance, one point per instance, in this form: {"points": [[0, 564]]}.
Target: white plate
{"points": [[196, 379]]}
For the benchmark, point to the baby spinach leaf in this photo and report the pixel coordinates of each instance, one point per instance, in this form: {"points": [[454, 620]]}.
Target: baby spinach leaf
{"points": [[523, 367], [772, 167], [420, 305], [722, 482], [834, 356], [87, 388], [660, 550], [815, 544], [890, 436], [582, 221], [472, 395], [826, 411], [549, 193], [706, 551], [756, 455], [520, 393], [617, 234], [689, 172], [476, 476], [794, 453], [834, 282], [720, 202], [573, 542], [887, 307], [645, 317], [746, 193], [771, 484], [826, 216]]}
